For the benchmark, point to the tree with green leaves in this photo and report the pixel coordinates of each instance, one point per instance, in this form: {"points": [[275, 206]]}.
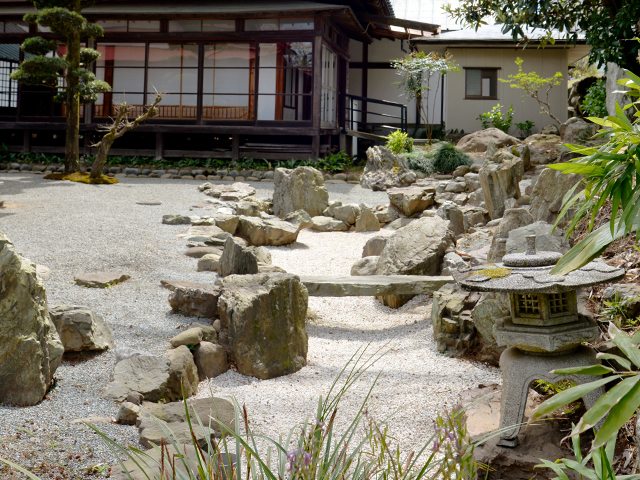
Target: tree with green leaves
{"points": [[612, 174], [608, 25], [416, 71], [534, 86], [68, 74]]}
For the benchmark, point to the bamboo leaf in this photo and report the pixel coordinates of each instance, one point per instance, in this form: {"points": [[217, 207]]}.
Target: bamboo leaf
{"points": [[590, 370], [624, 342], [616, 358], [618, 416], [604, 404]]}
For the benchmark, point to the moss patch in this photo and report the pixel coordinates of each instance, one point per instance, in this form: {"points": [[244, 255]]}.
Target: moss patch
{"points": [[499, 272], [82, 178]]}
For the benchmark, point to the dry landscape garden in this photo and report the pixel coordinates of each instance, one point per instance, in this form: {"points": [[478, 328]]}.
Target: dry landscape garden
{"points": [[447, 305]]}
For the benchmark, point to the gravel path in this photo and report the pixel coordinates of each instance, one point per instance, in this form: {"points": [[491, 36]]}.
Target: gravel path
{"points": [[74, 228]]}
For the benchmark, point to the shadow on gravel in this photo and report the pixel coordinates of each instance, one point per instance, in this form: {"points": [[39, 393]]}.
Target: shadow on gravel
{"points": [[364, 335], [16, 184], [74, 358]]}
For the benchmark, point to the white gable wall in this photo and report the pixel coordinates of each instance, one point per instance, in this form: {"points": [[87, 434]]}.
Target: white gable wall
{"points": [[462, 113]]}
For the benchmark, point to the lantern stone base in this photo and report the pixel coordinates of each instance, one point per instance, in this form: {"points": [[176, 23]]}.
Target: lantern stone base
{"points": [[546, 340], [519, 370]]}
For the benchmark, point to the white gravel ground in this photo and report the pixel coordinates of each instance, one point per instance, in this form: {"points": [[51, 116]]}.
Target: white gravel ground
{"points": [[74, 228]]}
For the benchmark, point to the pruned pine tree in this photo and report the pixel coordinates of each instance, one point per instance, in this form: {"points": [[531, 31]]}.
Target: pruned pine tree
{"points": [[119, 126], [68, 74]]}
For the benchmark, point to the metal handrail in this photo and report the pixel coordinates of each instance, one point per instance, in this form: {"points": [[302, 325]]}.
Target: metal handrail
{"points": [[350, 109]]}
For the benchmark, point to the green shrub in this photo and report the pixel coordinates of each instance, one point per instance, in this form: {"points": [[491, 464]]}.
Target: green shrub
{"points": [[525, 127], [595, 101], [446, 158], [420, 161], [399, 142], [496, 119]]}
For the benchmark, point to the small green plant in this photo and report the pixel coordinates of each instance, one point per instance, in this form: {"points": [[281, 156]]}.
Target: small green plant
{"points": [[594, 103], [496, 119], [615, 312], [334, 162], [525, 128], [616, 406], [601, 459], [420, 161], [446, 158], [399, 142], [532, 84]]}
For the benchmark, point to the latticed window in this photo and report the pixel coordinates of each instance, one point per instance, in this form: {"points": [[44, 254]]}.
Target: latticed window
{"points": [[528, 304], [558, 303]]}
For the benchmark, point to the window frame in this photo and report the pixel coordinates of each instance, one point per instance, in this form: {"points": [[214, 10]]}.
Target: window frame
{"points": [[495, 71]]}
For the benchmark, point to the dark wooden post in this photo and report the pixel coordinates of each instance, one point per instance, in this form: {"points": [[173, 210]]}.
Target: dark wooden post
{"points": [[159, 145], [235, 146]]}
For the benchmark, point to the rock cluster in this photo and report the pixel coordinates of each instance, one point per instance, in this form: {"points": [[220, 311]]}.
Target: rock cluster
{"points": [[385, 170]]}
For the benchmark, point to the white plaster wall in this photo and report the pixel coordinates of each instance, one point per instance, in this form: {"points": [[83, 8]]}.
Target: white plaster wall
{"points": [[382, 82], [462, 113]]}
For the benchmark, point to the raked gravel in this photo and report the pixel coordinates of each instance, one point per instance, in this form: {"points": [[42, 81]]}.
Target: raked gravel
{"points": [[75, 228]]}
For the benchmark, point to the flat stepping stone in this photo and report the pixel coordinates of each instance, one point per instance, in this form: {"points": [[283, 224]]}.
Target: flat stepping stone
{"points": [[372, 285], [199, 252], [149, 203], [100, 280]]}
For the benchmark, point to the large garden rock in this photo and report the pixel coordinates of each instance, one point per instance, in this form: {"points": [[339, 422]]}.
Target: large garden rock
{"points": [[490, 308], [513, 218], [211, 360], [547, 240], [577, 131], [300, 219], [367, 220], [374, 246], [30, 348], [385, 170], [191, 336], [410, 200], [193, 299], [174, 418], [271, 231], [453, 328], [230, 193], [500, 176], [145, 374], [628, 296], [548, 192], [183, 374], [365, 266], [480, 140], [452, 212], [345, 213], [386, 213], [80, 328], [300, 189], [328, 224], [264, 315], [237, 260], [416, 249]]}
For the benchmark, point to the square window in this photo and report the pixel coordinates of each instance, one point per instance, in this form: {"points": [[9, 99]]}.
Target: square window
{"points": [[481, 83]]}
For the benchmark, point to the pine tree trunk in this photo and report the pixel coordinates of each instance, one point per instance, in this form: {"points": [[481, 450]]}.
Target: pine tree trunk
{"points": [[101, 157], [72, 140]]}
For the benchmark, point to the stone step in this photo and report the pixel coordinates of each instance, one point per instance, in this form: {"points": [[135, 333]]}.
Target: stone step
{"points": [[371, 285]]}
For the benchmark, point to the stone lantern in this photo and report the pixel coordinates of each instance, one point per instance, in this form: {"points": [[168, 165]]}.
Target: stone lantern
{"points": [[545, 331]]}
